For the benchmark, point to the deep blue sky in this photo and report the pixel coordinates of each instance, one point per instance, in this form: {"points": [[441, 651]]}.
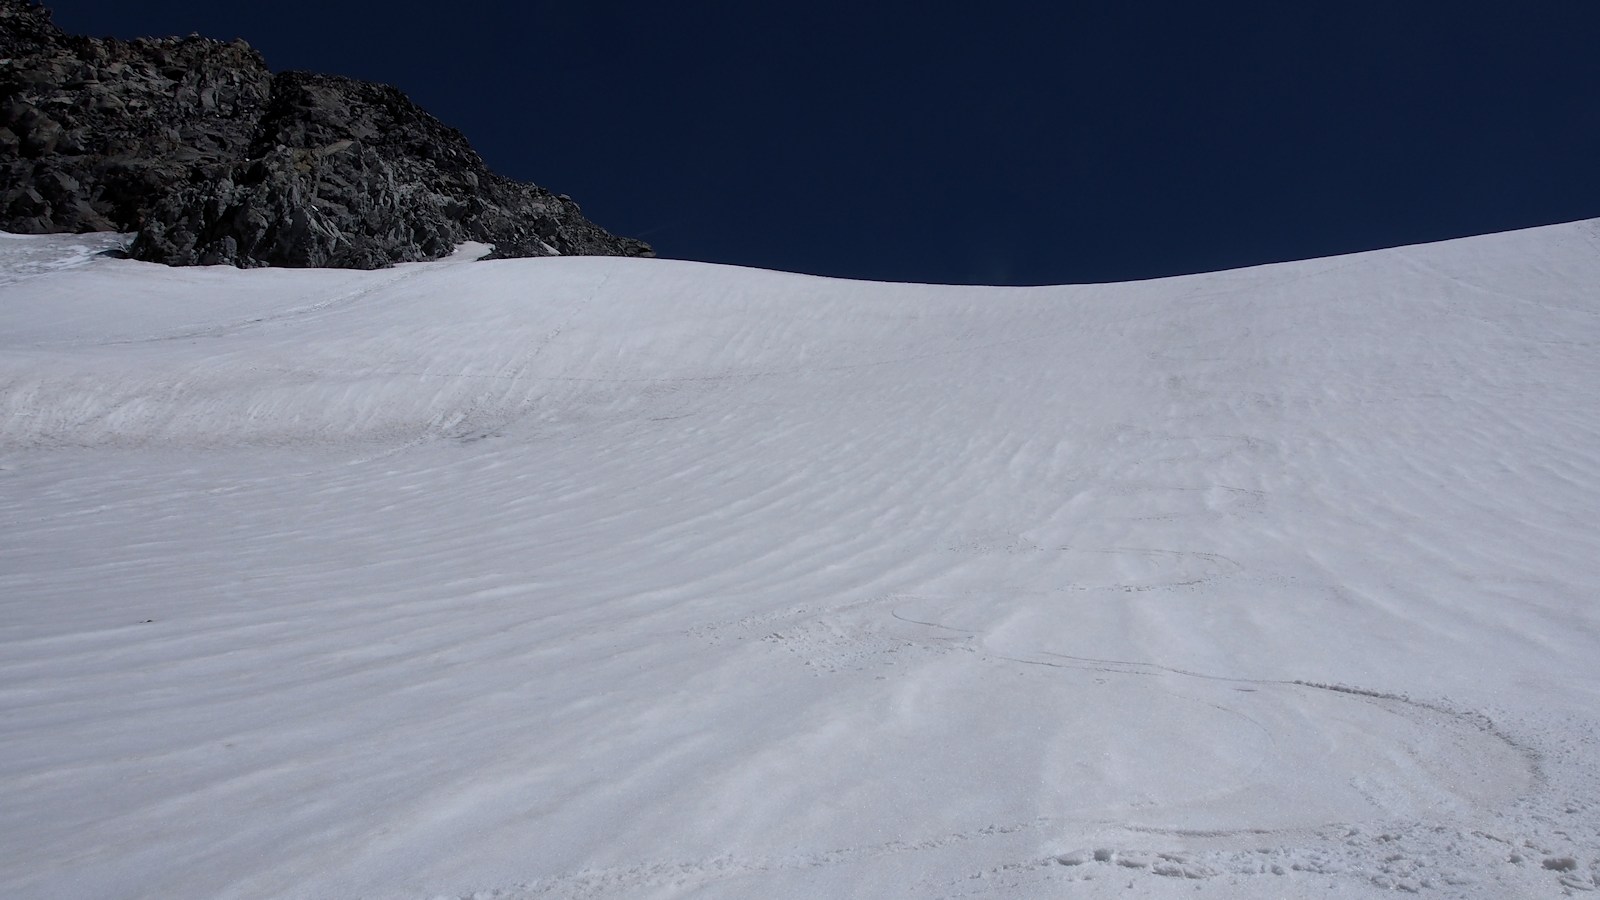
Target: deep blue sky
{"points": [[1000, 142]]}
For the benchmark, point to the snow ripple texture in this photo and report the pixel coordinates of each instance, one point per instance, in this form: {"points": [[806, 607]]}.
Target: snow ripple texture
{"points": [[638, 578]]}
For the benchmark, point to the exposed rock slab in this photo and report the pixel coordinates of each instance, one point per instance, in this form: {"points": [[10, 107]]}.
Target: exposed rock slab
{"points": [[210, 157]]}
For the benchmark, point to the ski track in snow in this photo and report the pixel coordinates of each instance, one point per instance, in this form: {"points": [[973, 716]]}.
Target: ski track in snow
{"points": [[617, 578]]}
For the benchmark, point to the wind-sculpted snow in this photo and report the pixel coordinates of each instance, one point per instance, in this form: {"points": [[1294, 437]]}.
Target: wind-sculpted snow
{"points": [[636, 578]]}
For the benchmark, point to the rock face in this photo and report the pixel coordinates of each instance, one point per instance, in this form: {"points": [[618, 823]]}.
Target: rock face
{"points": [[212, 158]]}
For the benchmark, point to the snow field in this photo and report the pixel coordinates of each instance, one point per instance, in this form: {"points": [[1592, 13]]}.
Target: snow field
{"points": [[640, 578]]}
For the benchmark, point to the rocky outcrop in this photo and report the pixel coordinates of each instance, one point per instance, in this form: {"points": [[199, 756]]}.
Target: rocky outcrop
{"points": [[210, 157]]}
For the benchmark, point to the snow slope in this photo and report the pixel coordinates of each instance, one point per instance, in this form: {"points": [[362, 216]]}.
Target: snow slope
{"points": [[638, 578]]}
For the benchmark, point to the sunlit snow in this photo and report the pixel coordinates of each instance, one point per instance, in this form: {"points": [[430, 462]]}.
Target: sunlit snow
{"points": [[586, 577]]}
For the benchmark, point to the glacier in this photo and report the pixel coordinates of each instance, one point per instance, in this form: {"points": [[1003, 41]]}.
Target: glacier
{"points": [[593, 577]]}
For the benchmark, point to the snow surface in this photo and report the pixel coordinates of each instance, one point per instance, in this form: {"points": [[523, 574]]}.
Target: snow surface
{"points": [[588, 577]]}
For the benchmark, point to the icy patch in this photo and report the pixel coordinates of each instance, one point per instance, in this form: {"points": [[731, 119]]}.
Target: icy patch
{"points": [[24, 256], [469, 251]]}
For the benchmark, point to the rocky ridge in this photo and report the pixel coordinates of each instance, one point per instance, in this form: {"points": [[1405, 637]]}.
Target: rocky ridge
{"points": [[210, 157]]}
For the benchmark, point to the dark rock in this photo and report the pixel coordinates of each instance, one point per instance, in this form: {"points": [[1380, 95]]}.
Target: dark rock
{"points": [[211, 158]]}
